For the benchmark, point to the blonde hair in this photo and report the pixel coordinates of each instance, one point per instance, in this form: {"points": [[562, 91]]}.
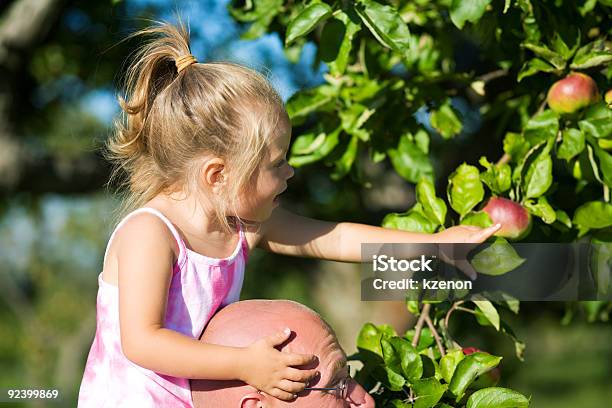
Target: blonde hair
{"points": [[171, 117]]}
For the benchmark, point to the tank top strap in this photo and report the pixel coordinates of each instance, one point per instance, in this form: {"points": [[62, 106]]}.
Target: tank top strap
{"points": [[181, 244]]}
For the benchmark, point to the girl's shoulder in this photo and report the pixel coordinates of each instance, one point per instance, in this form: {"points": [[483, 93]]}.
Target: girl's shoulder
{"points": [[144, 229]]}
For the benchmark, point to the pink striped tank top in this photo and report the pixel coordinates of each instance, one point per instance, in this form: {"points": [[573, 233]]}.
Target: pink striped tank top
{"points": [[200, 286]]}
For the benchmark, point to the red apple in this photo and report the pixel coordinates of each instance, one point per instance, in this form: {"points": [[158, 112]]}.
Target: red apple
{"points": [[515, 219], [470, 350], [572, 93]]}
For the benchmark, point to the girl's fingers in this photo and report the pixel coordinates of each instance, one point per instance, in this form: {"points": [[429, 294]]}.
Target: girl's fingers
{"points": [[294, 359], [278, 338], [487, 232], [294, 374], [467, 268], [291, 386], [282, 395]]}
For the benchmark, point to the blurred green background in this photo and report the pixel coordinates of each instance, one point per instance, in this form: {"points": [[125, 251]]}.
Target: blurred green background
{"points": [[60, 65]]}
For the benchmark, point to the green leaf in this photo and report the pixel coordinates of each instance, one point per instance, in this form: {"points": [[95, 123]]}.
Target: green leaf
{"points": [[591, 55], [293, 52], [562, 217], [385, 24], [529, 157], [599, 110], [489, 311], [320, 150], [561, 47], [306, 21], [542, 126], [462, 11], [544, 52], [413, 220], [449, 362], [571, 145], [597, 121], [421, 138], [605, 162], [464, 189], [497, 397], [541, 209], [533, 66], [253, 11], [354, 118], [445, 121], [510, 302], [370, 337], [308, 143], [478, 218], [413, 307], [425, 340], [307, 101], [409, 161], [433, 207], [468, 369], [345, 162], [338, 64], [428, 392], [515, 146], [539, 176], [406, 360], [598, 128], [497, 259], [395, 380], [497, 177], [593, 215]]}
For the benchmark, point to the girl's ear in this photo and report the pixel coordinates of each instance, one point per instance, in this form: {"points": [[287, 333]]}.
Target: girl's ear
{"points": [[254, 400], [212, 173]]}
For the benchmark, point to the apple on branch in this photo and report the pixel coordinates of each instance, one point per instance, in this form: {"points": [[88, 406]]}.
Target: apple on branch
{"points": [[514, 218], [572, 93]]}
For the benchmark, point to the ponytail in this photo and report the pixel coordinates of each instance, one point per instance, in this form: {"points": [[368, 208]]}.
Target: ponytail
{"points": [[154, 68]]}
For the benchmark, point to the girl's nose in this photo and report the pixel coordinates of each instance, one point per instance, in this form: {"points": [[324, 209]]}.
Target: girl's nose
{"points": [[291, 172]]}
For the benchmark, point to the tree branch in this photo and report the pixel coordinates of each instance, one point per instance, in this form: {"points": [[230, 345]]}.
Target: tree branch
{"points": [[420, 322], [436, 335]]}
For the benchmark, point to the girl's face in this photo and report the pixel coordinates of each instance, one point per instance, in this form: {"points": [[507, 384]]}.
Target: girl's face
{"points": [[271, 181]]}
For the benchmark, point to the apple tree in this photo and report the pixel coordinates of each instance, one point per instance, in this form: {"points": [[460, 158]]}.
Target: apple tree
{"points": [[502, 106]]}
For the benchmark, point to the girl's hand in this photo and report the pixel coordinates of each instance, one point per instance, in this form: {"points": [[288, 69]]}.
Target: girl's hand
{"points": [[462, 234], [465, 234], [272, 372]]}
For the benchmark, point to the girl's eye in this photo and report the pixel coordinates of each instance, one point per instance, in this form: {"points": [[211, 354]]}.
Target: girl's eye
{"points": [[280, 163]]}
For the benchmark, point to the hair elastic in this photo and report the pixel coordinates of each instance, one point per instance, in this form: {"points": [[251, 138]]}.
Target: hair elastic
{"points": [[184, 61]]}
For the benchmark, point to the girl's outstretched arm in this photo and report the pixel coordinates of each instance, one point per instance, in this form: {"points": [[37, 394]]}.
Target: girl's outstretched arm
{"points": [[290, 234], [145, 257]]}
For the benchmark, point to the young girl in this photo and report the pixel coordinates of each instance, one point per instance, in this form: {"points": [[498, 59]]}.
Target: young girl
{"points": [[204, 147]]}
